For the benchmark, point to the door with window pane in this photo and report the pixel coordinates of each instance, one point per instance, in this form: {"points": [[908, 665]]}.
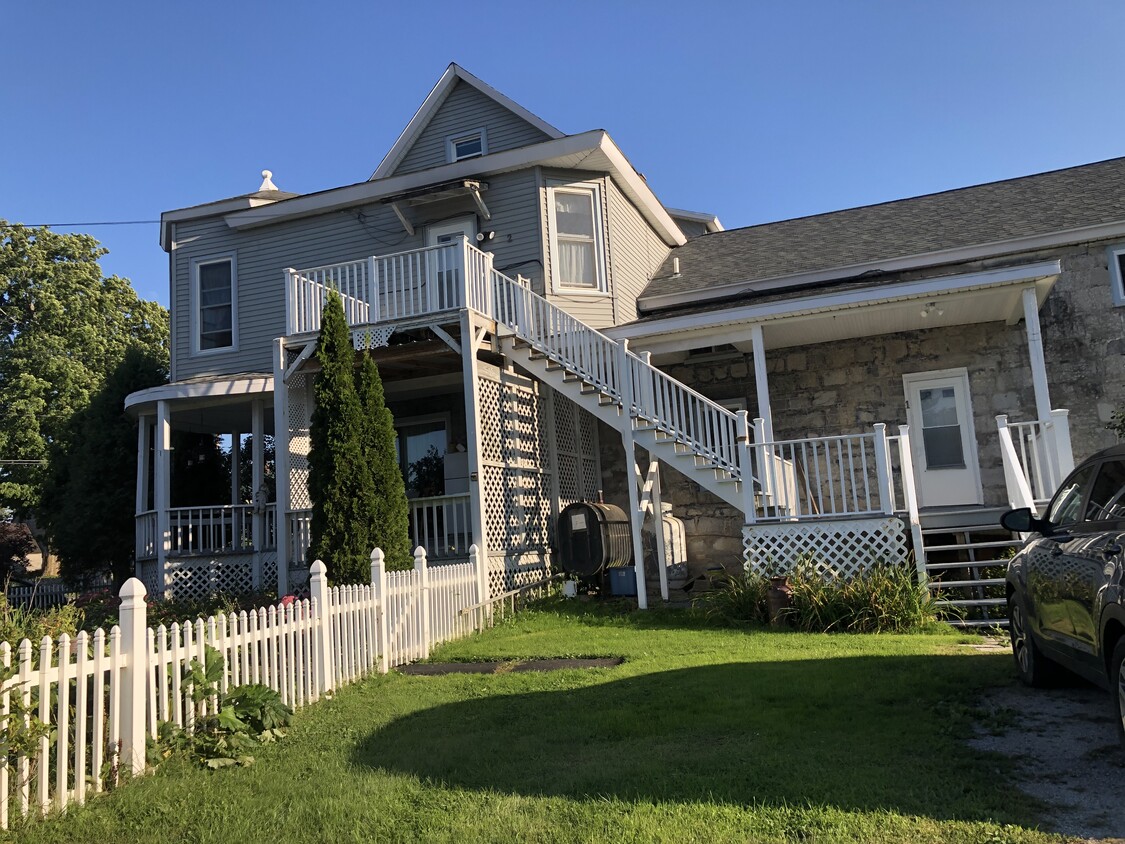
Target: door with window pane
{"points": [[942, 438]]}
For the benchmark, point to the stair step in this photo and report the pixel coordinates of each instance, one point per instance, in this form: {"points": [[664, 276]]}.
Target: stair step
{"points": [[975, 602], [964, 564], [967, 546], [977, 622], [953, 584]]}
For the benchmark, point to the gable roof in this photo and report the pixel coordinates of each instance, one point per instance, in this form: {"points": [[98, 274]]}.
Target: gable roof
{"points": [[433, 101], [1061, 206]]}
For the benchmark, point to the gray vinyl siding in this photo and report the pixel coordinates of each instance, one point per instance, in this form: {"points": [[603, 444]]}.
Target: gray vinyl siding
{"points": [[598, 311], [263, 254], [466, 109], [690, 228], [636, 251]]}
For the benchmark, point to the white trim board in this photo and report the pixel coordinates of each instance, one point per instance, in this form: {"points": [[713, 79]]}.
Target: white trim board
{"points": [[828, 302]]}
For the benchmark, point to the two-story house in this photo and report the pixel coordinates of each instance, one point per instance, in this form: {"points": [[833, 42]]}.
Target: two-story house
{"points": [[546, 328]]}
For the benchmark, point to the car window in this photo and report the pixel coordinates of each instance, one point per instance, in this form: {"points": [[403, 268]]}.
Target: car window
{"points": [[1069, 503], [1107, 496]]}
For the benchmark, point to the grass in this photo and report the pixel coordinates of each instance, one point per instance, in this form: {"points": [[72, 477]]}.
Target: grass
{"points": [[703, 735]]}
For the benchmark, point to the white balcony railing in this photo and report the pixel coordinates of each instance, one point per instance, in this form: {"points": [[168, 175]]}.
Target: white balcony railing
{"points": [[229, 528], [442, 525], [146, 535], [1037, 456]]}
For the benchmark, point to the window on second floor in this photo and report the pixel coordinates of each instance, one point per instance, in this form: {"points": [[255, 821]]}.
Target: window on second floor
{"points": [[214, 314], [470, 145], [577, 248]]}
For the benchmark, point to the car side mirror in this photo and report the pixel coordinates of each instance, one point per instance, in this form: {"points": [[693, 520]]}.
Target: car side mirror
{"points": [[1022, 521]]}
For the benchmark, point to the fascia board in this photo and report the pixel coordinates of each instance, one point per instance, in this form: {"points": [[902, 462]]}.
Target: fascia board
{"points": [[709, 220], [210, 209], [829, 301], [907, 262], [224, 388], [547, 153], [433, 101]]}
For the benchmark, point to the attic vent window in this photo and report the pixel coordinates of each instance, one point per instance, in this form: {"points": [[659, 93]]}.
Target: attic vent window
{"points": [[471, 145]]}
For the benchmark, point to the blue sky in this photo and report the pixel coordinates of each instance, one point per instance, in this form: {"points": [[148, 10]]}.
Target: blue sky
{"points": [[754, 111]]}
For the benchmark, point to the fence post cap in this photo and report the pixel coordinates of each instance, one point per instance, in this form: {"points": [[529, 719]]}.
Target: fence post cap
{"points": [[318, 568], [133, 588], [376, 555]]}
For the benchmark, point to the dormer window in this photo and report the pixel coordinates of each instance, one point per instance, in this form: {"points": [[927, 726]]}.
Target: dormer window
{"points": [[577, 249], [470, 145], [214, 316]]}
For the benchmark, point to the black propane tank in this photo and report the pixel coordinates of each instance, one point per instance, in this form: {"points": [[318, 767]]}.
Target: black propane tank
{"points": [[593, 537]]}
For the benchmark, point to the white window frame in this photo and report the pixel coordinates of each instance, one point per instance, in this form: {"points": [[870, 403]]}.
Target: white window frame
{"points": [[451, 142], [196, 324], [594, 189], [1117, 281]]}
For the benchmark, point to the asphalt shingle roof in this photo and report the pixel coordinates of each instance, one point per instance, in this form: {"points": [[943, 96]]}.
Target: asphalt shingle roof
{"points": [[1031, 205]]}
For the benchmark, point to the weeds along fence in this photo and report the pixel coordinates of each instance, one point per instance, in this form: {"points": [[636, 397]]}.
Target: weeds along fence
{"points": [[75, 714]]}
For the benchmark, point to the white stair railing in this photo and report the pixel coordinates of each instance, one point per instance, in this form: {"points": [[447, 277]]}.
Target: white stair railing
{"points": [[1015, 471]]}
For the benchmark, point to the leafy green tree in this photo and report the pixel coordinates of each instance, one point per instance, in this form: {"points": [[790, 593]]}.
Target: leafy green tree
{"points": [[16, 543], [389, 520], [64, 327], [89, 495], [340, 489]]}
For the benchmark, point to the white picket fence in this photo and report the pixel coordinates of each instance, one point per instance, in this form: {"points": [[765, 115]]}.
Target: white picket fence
{"points": [[102, 694]]}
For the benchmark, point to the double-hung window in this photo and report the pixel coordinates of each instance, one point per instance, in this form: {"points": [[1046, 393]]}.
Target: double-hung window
{"points": [[575, 224], [214, 312]]}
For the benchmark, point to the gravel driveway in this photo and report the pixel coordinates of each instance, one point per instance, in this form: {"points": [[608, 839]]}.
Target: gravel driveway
{"points": [[1068, 755]]}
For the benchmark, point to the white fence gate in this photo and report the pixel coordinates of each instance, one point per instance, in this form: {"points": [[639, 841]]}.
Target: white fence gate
{"points": [[101, 694]]}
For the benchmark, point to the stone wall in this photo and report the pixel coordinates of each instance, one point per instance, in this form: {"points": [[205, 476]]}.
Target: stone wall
{"points": [[847, 386]]}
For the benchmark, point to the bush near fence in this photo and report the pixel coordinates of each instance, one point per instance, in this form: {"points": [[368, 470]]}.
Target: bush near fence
{"points": [[91, 701]]}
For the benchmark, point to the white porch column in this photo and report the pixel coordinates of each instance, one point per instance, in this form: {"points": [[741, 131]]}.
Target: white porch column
{"points": [[162, 477], [235, 467], [761, 381], [257, 484], [144, 441], [1035, 353], [473, 422], [281, 462]]}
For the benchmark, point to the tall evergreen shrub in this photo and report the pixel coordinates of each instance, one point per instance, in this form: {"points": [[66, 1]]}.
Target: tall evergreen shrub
{"points": [[389, 513], [340, 487]]}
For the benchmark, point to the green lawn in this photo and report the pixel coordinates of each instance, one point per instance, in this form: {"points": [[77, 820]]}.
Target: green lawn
{"points": [[702, 735]]}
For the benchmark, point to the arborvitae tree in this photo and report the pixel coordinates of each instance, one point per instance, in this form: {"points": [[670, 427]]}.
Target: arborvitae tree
{"points": [[390, 514], [89, 496], [338, 484]]}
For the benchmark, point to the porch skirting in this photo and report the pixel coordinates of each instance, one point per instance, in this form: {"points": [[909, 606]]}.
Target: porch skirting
{"points": [[197, 578], [836, 548]]}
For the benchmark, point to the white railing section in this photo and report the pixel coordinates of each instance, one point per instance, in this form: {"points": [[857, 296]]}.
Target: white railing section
{"points": [[1040, 455], [441, 524], [839, 476], [49, 593], [101, 695], [299, 533], [201, 530], [306, 291], [146, 535]]}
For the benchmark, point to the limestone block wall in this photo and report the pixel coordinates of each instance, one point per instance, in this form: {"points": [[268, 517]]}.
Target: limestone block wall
{"points": [[847, 386]]}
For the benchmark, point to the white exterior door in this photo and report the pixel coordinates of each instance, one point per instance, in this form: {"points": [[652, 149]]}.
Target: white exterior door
{"points": [[943, 442], [443, 267]]}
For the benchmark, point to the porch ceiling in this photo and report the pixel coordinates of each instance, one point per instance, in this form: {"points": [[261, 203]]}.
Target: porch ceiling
{"points": [[993, 296]]}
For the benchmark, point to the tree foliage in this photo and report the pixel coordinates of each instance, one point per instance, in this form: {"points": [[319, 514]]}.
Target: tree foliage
{"points": [[65, 326], [89, 495], [389, 520], [341, 492], [16, 543]]}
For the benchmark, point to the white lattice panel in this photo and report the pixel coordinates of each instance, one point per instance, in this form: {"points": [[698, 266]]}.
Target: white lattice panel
{"points": [[371, 337], [836, 548], [300, 417], [588, 438], [197, 578], [508, 573]]}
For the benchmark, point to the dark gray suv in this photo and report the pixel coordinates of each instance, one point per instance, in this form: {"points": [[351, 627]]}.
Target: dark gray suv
{"points": [[1065, 601]]}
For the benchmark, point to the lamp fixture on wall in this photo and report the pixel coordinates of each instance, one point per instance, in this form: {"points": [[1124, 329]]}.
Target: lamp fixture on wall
{"points": [[931, 308], [483, 236]]}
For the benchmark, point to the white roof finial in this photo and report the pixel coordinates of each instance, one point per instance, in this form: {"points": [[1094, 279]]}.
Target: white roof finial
{"points": [[267, 183]]}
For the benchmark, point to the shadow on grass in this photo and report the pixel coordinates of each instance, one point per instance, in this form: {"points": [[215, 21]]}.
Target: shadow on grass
{"points": [[858, 733]]}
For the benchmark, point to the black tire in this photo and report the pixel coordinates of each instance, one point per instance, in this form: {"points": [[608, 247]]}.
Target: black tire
{"points": [[1033, 668], [1117, 687]]}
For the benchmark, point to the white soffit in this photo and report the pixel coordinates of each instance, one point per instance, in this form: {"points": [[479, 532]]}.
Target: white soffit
{"points": [[992, 296]]}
